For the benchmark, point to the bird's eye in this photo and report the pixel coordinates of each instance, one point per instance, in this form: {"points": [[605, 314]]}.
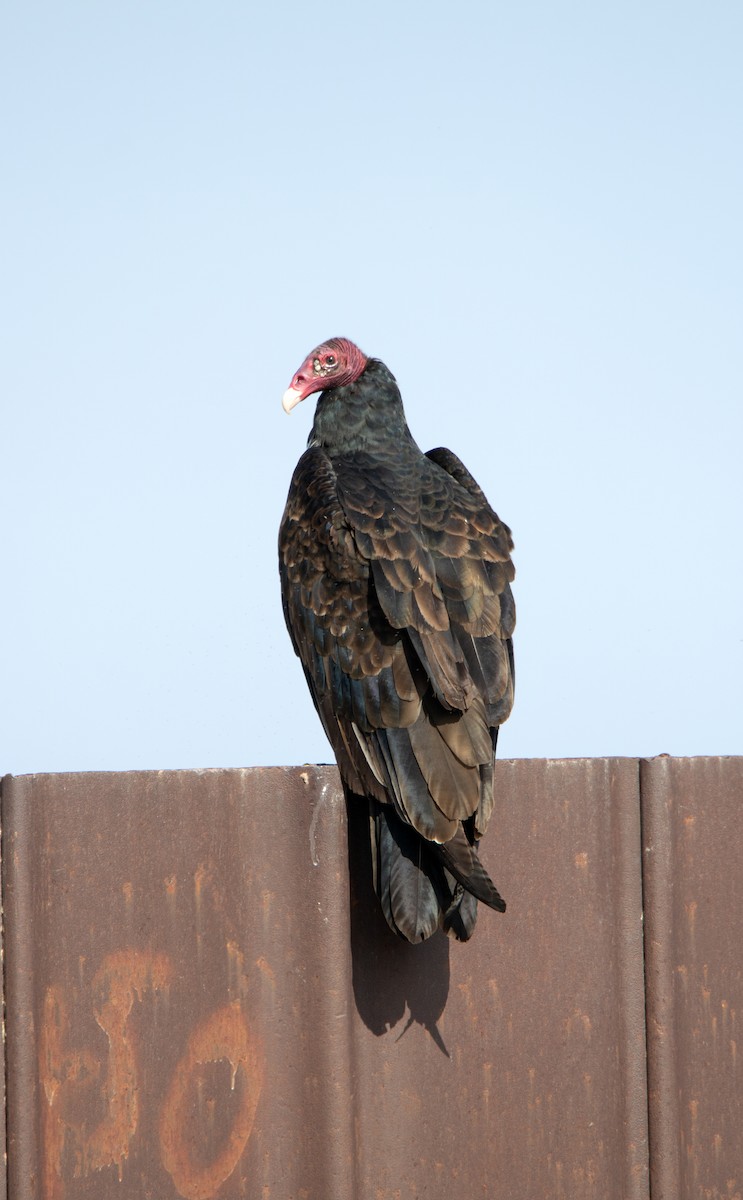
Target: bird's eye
{"points": [[330, 360]]}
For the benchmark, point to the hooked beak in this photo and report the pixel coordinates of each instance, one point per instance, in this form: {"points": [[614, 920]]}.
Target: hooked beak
{"points": [[291, 397]]}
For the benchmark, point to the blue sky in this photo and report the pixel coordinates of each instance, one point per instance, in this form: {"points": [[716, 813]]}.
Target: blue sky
{"points": [[531, 213]]}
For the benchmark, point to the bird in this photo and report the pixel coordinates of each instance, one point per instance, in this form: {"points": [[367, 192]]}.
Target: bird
{"points": [[395, 582]]}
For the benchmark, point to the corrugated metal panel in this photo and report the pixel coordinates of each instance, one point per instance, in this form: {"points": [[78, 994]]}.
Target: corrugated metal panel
{"points": [[694, 955], [196, 1009], [542, 1014], [178, 958]]}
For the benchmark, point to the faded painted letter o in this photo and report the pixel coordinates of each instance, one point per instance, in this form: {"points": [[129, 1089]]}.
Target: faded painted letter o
{"points": [[223, 1035]]}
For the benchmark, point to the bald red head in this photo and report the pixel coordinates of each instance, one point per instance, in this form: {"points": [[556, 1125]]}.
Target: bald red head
{"points": [[333, 364]]}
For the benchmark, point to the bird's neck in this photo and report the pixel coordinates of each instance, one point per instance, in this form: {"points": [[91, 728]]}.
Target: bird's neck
{"points": [[362, 415]]}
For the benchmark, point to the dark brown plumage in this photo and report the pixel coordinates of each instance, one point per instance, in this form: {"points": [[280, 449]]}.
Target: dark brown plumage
{"points": [[395, 577]]}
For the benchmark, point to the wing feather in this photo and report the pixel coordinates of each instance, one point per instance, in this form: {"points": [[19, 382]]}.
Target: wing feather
{"points": [[396, 593]]}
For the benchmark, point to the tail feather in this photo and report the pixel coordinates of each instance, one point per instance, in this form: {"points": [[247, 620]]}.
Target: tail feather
{"points": [[405, 890], [423, 886], [461, 916], [460, 857]]}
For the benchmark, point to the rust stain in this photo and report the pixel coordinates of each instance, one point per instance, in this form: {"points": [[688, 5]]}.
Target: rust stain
{"points": [[224, 1035], [582, 1019], [487, 1083], [199, 876], [266, 969], [411, 1102], [581, 861], [266, 901], [237, 976], [465, 988]]}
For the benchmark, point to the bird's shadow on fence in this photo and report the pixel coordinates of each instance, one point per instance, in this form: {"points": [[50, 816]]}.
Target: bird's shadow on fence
{"points": [[389, 975]]}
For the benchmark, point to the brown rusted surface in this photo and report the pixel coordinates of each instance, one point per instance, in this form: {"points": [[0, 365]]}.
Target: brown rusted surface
{"points": [[541, 1090], [694, 965], [172, 938], [198, 1008]]}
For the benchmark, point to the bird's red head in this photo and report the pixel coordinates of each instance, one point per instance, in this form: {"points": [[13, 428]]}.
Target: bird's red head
{"points": [[333, 364]]}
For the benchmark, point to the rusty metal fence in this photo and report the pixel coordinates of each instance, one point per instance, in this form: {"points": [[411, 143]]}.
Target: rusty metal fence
{"points": [[198, 1004]]}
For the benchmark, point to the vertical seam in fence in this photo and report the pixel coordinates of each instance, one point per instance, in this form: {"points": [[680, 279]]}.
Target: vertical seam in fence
{"points": [[663, 1115], [3, 993], [22, 1166], [631, 982], [643, 886]]}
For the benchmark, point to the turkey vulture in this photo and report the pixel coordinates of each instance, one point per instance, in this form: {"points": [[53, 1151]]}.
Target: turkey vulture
{"points": [[395, 577]]}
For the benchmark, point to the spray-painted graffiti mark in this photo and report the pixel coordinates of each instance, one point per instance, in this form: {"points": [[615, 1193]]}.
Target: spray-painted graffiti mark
{"points": [[74, 1080], [222, 1036]]}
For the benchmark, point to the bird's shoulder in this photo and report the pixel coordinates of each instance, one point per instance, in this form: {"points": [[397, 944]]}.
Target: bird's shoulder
{"points": [[456, 512], [315, 535], [329, 607]]}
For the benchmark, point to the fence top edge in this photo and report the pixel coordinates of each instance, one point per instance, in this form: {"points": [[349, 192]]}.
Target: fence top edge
{"points": [[297, 768]]}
